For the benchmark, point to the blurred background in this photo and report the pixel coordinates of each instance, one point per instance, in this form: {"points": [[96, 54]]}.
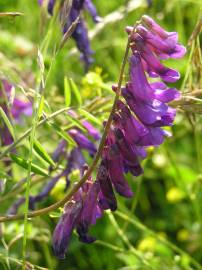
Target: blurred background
{"points": [[161, 227]]}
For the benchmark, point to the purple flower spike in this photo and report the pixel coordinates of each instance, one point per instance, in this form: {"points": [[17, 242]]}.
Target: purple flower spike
{"points": [[51, 4], [80, 35], [115, 166], [64, 228], [164, 48], [82, 141], [107, 199], [88, 214], [167, 74]]}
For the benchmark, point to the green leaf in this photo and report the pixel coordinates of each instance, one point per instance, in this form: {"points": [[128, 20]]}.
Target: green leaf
{"points": [[67, 92], [90, 117], [41, 105], [76, 92], [24, 164], [64, 135], [55, 214], [42, 153], [7, 122]]}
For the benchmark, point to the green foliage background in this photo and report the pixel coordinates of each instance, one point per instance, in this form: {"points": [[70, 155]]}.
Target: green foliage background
{"points": [[168, 197]]}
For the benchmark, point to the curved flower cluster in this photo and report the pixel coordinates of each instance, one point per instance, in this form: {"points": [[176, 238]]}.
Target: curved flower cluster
{"points": [[137, 123], [80, 34]]}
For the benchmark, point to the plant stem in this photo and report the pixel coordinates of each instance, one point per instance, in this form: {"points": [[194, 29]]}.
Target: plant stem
{"points": [[127, 242], [94, 163]]}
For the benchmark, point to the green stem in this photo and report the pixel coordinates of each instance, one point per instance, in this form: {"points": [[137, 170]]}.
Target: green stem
{"points": [[135, 201], [127, 242], [29, 176]]}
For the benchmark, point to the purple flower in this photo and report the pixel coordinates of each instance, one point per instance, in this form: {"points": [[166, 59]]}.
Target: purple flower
{"points": [[136, 124], [82, 141], [65, 227], [136, 132], [142, 89], [164, 48], [115, 165], [107, 199], [167, 74], [19, 107], [80, 35], [89, 214], [149, 113], [157, 29], [130, 153], [93, 132]]}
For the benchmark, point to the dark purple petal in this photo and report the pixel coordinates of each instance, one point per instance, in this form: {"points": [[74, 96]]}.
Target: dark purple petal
{"points": [[87, 214], [107, 199], [82, 141], [167, 74], [115, 166], [64, 228], [135, 170], [131, 153]]}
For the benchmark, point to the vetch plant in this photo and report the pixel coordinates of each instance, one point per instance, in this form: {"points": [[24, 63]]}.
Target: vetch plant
{"points": [[140, 120], [130, 129]]}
